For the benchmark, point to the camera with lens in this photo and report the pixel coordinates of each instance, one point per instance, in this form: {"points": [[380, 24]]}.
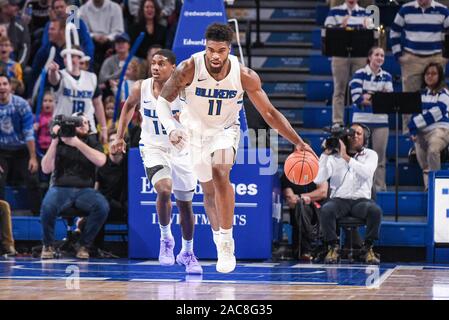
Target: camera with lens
{"points": [[67, 125], [338, 133]]}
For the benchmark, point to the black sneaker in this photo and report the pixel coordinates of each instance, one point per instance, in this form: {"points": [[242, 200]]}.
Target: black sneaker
{"points": [[333, 254]]}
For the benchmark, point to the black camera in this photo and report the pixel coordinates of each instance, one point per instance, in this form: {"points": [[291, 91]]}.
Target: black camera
{"points": [[337, 134], [67, 125]]}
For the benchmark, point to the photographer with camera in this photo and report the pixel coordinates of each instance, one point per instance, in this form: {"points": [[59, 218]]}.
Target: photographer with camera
{"points": [[350, 166], [72, 159]]}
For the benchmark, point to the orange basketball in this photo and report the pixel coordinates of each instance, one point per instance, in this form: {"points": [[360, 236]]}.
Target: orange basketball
{"points": [[301, 167]]}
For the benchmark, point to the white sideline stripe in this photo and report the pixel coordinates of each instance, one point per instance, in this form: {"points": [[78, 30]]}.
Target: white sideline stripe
{"points": [[201, 204], [53, 278], [155, 280]]}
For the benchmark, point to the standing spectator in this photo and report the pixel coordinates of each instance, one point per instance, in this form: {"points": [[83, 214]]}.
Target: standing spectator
{"points": [[349, 14], [17, 145], [42, 127], [155, 33], [56, 35], [108, 103], [10, 67], [17, 31], [77, 91], [59, 8], [36, 14], [104, 19], [430, 129], [6, 229], [364, 84], [112, 66], [73, 162], [421, 23]]}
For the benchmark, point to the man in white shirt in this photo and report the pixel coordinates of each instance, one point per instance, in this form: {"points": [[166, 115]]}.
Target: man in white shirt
{"points": [[351, 173]]}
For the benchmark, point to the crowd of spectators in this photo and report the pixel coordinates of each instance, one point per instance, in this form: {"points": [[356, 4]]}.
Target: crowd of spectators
{"points": [[30, 31]]}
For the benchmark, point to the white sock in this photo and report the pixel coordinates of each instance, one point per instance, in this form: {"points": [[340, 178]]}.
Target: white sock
{"points": [[187, 245], [215, 235], [165, 231], [225, 234]]}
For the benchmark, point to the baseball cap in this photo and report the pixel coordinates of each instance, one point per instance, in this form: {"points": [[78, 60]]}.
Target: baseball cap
{"points": [[122, 37]]}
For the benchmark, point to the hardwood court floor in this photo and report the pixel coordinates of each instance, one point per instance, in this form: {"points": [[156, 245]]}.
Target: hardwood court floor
{"points": [[31, 279]]}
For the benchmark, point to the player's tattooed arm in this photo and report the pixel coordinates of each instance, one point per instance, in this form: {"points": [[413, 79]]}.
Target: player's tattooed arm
{"points": [[252, 84], [181, 78]]}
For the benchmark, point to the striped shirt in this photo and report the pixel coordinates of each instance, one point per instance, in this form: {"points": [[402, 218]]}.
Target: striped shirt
{"points": [[434, 112], [336, 15], [365, 81], [422, 29]]}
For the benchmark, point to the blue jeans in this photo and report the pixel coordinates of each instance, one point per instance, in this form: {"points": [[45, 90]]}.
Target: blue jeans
{"points": [[88, 200]]}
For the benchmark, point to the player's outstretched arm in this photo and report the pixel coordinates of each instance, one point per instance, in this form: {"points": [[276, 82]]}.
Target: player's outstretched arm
{"points": [[252, 85], [119, 146], [181, 77]]}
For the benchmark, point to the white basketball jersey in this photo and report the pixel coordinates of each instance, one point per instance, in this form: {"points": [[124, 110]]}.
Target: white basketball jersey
{"points": [[153, 133], [76, 95], [212, 105]]}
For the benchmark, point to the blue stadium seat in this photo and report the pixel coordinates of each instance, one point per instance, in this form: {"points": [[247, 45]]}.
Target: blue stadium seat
{"points": [[321, 14], [316, 39], [410, 203], [320, 65], [317, 117], [319, 90]]}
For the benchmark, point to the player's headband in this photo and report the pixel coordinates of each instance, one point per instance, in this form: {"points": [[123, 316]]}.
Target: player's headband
{"points": [[73, 52]]}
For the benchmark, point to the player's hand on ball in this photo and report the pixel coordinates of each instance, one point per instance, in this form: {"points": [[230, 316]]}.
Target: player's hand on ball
{"points": [[302, 146], [118, 146], [178, 138]]}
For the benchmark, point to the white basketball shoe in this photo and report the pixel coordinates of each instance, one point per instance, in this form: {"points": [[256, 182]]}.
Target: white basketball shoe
{"points": [[226, 259]]}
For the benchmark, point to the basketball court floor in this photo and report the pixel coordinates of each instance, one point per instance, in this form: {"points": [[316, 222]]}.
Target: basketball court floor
{"points": [[122, 279]]}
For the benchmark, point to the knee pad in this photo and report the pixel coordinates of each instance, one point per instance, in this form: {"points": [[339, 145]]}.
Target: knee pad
{"points": [[157, 173], [183, 195]]}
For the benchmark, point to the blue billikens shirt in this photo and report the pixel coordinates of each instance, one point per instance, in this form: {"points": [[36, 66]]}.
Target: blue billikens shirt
{"points": [[419, 31], [337, 14], [434, 112], [365, 81], [16, 124]]}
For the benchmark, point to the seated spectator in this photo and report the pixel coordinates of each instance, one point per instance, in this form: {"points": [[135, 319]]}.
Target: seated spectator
{"points": [[364, 84], [18, 32], [109, 103], [42, 127], [430, 129], [155, 33], [112, 66], [311, 195], [10, 67], [59, 9], [104, 19], [73, 162], [111, 181], [351, 173], [349, 14], [6, 229], [77, 91], [17, 145]]}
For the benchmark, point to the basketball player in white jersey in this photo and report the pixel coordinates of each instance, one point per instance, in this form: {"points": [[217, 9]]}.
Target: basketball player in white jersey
{"points": [[77, 91], [166, 168], [212, 84]]}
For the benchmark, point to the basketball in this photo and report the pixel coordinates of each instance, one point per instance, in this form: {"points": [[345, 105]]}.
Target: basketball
{"points": [[301, 167]]}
